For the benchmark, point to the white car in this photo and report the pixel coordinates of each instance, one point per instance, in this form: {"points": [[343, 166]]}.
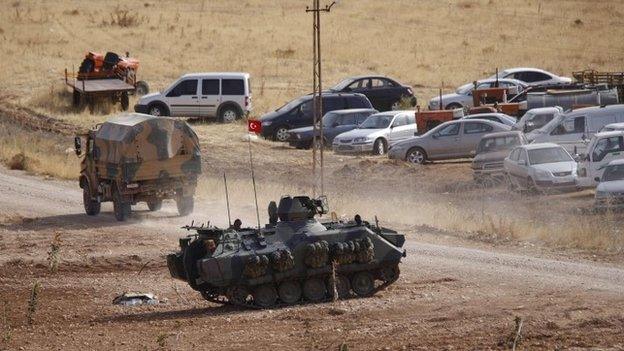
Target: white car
{"points": [[542, 166], [532, 76], [611, 127], [226, 96], [610, 190], [462, 97], [603, 148], [377, 133]]}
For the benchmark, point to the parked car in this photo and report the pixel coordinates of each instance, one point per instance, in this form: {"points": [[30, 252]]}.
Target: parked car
{"points": [[462, 97], [612, 127], [610, 190], [532, 76], [494, 117], [603, 148], [377, 133], [537, 118], [574, 129], [384, 93], [492, 151], [300, 113], [449, 140], [226, 96], [334, 123], [542, 166]]}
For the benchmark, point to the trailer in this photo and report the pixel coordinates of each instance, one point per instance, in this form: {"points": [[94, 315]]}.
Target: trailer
{"points": [[89, 90], [611, 79]]}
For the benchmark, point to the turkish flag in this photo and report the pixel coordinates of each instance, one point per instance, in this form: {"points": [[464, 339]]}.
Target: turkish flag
{"points": [[254, 126]]}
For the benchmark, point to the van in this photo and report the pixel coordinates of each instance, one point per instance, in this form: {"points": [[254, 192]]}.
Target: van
{"points": [[574, 129], [225, 95], [300, 113], [603, 148]]}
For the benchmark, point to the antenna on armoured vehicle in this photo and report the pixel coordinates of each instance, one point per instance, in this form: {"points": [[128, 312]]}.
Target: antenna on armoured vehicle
{"points": [[253, 181], [227, 201]]}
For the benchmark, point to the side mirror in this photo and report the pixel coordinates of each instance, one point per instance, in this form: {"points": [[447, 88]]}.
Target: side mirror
{"points": [[78, 145], [597, 179]]}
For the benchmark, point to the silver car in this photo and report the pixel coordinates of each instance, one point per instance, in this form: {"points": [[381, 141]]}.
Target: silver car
{"points": [[376, 133], [610, 190], [540, 166], [449, 140], [462, 97]]}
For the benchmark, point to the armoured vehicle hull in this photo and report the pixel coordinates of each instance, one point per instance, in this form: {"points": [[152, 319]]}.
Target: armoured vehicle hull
{"points": [[134, 158], [293, 260]]}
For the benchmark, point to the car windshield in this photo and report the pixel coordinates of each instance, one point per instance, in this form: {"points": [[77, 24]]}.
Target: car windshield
{"points": [[329, 119], [343, 84], [290, 105], [548, 155], [614, 172], [376, 122], [498, 143]]}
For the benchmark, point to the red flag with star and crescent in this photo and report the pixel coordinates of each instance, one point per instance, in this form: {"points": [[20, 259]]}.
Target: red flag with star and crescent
{"points": [[254, 126]]}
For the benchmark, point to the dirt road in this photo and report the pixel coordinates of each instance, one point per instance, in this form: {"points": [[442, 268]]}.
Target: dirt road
{"points": [[453, 294]]}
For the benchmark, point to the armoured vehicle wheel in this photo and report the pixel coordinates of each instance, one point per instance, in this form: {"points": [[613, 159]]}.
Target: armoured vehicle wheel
{"points": [[154, 205], [363, 283], [265, 295], [290, 292], [185, 205], [390, 274], [121, 209], [343, 286], [314, 289], [380, 147], [92, 207], [237, 295]]}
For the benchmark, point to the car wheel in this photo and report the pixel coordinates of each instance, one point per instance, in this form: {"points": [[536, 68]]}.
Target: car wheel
{"points": [[453, 106], [280, 134], [380, 147], [228, 114], [416, 155], [157, 110]]}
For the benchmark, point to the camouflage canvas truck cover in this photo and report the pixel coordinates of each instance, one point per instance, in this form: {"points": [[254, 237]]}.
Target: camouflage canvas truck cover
{"points": [[294, 258], [135, 157]]}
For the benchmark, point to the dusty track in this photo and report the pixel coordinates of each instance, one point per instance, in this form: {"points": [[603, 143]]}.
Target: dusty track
{"points": [[451, 294]]}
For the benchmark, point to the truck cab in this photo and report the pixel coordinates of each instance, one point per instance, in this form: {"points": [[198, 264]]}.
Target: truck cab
{"points": [[603, 148]]}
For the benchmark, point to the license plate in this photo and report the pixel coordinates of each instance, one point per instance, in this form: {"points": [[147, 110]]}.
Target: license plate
{"points": [[345, 147], [562, 180]]}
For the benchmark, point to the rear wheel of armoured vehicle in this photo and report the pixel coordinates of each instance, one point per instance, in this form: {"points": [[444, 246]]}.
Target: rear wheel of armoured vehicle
{"points": [[390, 274], [141, 88], [195, 251], [229, 114], [120, 208], [363, 283], [124, 100], [416, 155], [265, 295], [380, 147], [281, 134], [343, 286], [237, 295], [154, 205], [290, 292], [314, 289], [185, 205], [92, 207]]}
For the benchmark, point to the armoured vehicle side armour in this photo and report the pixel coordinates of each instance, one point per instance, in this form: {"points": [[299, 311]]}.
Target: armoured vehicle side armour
{"points": [[290, 260]]}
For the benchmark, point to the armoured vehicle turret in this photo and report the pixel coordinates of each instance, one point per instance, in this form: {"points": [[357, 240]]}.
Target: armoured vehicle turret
{"points": [[295, 258]]}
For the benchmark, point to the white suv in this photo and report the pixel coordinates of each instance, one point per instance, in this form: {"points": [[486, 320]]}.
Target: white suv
{"points": [[226, 96]]}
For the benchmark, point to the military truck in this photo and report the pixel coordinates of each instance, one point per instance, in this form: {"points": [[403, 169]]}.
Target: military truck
{"points": [[135, 157], [295, 258]]}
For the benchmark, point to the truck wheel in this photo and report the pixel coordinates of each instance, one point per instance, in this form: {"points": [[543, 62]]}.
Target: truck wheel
{"points": [[228, 114], [154, 205], [92, 207], [125, 102], [185, 205], [122, 209], [141, 88]]}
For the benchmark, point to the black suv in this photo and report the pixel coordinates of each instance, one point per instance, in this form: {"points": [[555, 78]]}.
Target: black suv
{"points": [[299, 113], [384, 93]]}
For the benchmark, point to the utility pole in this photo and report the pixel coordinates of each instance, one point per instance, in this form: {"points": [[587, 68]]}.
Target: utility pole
{"points": [[317, 100]]}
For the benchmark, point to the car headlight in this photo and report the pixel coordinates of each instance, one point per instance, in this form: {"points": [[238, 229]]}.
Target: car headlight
{"points": [[266, 123], [360, 140]]}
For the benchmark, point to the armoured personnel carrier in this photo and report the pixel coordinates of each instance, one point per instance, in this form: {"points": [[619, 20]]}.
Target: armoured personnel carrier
{"points": [[295, 258], [134, 157]]}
